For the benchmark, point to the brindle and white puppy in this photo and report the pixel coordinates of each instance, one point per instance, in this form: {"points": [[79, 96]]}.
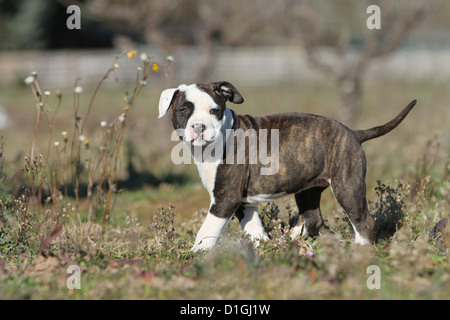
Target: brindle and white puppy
{"points": [[313, 152]]}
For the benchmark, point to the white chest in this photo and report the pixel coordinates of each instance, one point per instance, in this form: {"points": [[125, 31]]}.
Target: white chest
{"points": [[207, 172]]}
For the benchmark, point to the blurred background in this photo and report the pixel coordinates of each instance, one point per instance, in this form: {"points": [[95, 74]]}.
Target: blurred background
{"points": [[283, 55], [253, 43]]}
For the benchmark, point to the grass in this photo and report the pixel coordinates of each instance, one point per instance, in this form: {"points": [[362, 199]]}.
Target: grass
{"points": [[142, 250]]}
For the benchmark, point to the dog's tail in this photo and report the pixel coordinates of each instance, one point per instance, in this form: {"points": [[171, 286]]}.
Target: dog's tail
{"points": [[375, 132]]}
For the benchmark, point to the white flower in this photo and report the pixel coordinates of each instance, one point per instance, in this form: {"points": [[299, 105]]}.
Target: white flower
{"points": [[116, 65], [78, 89], [169, 59], [103, 124], [122, 118], [56, 143], [47, 93], [82, 138], [29, 80], [143, 56]]}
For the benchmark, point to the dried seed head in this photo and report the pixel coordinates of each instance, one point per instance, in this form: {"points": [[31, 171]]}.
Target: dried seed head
{"points": [[29, 80], [144, 57]]}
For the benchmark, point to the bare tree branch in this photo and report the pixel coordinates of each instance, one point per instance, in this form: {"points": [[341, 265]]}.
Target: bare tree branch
{"points": [[348, 64], [143, 16]]}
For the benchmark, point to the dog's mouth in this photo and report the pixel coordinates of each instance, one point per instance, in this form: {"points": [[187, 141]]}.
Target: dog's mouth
{"points": [[201, 141], [198, 139]]}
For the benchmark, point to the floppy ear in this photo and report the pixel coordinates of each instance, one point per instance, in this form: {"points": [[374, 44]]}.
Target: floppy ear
{"points": [[165, 100], [228, 92]]}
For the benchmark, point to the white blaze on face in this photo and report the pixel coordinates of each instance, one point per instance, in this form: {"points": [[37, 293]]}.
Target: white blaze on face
{"points": [[201, 117]]}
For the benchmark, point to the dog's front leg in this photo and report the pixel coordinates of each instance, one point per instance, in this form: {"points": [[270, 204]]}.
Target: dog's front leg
{"points": [[251, 223], [211, 229]]}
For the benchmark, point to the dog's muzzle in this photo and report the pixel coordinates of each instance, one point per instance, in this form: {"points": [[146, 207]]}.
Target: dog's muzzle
{"points": [[198, 129], [199, 135]]}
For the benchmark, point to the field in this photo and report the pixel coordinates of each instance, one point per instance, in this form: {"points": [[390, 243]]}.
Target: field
{"points": [[129, 224]]}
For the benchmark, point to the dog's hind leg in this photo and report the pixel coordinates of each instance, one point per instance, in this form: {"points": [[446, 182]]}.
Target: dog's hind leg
{"points": [[349, 188], [310, 218], [354, 204]]}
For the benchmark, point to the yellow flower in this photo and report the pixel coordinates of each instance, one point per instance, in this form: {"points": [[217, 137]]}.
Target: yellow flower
{"points": [[131, 54], [155, 67]]}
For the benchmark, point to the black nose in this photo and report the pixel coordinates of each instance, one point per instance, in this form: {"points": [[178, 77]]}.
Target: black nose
{"points": [[198, 128]]}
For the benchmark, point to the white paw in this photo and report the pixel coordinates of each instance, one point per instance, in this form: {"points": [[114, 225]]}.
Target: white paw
{"points": [[361, 240], [204, 244], [298, 230], [256, 239]]}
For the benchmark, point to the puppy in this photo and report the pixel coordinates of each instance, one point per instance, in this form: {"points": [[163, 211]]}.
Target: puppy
{"points": [[307, 153]]}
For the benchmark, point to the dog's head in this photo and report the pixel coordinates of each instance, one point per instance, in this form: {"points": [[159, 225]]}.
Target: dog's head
{"points": [[199, 110]]}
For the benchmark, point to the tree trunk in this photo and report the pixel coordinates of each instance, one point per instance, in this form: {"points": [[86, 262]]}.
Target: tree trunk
{"points": [[210, 51], [350, 92]]}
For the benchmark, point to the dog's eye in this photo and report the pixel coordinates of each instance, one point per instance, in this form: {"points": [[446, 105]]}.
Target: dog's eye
{"points": [[214, 111], [182, 111]]}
